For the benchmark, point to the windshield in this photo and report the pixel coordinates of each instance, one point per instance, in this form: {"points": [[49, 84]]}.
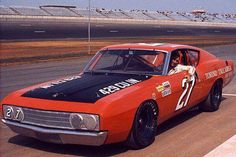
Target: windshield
{"points": [[128, 61]]}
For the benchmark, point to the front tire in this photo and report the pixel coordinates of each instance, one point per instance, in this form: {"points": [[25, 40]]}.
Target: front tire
{"points": [[213, 100], [144, 126]]}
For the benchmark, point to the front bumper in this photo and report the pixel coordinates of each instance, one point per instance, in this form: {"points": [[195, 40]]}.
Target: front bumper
{"points": [[58, 135]]}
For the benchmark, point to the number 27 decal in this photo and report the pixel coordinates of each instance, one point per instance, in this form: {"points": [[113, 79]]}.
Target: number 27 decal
{"points": [[187, 91]]}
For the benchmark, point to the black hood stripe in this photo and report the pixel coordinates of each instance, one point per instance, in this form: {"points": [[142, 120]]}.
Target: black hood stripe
{"points": [[85, 88]]}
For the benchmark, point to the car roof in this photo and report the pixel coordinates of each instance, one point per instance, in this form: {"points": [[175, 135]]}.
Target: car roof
{"points": [[167, 47]]}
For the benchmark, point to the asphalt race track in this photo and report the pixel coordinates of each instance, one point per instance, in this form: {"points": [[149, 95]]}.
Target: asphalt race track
{"points": [[26, 29], [193, 133]]}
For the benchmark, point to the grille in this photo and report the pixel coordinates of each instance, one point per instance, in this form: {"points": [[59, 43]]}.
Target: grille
{"points": [[47, 118]]}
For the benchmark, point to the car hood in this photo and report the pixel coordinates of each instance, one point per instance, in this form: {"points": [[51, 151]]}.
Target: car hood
{"points": [[86, 88]]}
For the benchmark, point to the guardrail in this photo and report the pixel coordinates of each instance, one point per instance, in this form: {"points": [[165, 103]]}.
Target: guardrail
{"points": [[62, 19]]}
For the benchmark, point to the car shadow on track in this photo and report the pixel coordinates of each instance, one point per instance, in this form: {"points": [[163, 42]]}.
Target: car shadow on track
{"points": [[175, 121], [106, 150], [68, 149]]}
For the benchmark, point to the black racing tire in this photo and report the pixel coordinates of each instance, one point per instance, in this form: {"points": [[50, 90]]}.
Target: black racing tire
{"points": [[213, 99], [144, 127]]}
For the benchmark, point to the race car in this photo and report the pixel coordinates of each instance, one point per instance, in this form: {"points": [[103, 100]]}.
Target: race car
{"points": [[122, 95]]}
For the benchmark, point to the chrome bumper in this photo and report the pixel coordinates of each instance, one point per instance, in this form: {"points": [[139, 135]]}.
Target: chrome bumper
{"points": [[58, 135]]}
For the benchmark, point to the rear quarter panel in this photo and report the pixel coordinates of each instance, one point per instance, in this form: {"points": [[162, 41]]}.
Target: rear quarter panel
{"points": [[211, 68]]}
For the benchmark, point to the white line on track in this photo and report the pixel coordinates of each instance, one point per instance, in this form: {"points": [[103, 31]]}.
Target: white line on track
{"points": [[99, 25], [156, 26], [114, 31], [39, 31], [227, 149], [25, 25], [224, 94], [170, 31]]}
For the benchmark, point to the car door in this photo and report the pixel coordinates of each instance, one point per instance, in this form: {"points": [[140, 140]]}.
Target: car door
{"points": [[192, 59], [183, 90], [192, 87]]}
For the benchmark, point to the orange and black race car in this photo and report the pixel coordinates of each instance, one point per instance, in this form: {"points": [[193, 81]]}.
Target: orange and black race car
{"points": [[123, 94]]}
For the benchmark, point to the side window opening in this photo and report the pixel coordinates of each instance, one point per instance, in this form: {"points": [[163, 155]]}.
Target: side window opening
{"points": [[182, 60], [193, 57]]}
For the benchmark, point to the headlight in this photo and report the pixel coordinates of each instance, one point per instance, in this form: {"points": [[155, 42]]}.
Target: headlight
{"points": [[84, 121]]}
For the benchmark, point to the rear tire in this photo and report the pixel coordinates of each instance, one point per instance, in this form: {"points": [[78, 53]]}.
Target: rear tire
{"points": [[144, 126], [213, 100]]}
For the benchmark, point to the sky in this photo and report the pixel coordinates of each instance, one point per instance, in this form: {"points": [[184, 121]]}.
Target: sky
{"points": [[213, 6]]}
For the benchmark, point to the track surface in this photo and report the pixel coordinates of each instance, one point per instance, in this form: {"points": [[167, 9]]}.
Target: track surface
{"points": [[193, 133], [33, 29]]}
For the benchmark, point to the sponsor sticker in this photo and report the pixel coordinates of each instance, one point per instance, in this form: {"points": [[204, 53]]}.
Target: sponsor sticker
{"points": [[164, 88], [118, 86], [224, 70], [220, 71], [211, 74], [51, 84], [166, 92], [160, 88], [166, 84]]}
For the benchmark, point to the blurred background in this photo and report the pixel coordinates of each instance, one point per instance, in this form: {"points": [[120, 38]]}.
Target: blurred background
{"points": [[48, 30]]}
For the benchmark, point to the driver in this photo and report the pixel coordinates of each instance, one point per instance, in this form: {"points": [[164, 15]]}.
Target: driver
{"points": [[176, 66]]}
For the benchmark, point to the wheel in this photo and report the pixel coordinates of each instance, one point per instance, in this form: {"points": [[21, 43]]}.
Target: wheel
{"points": [[144, 126], [213, 100]]}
